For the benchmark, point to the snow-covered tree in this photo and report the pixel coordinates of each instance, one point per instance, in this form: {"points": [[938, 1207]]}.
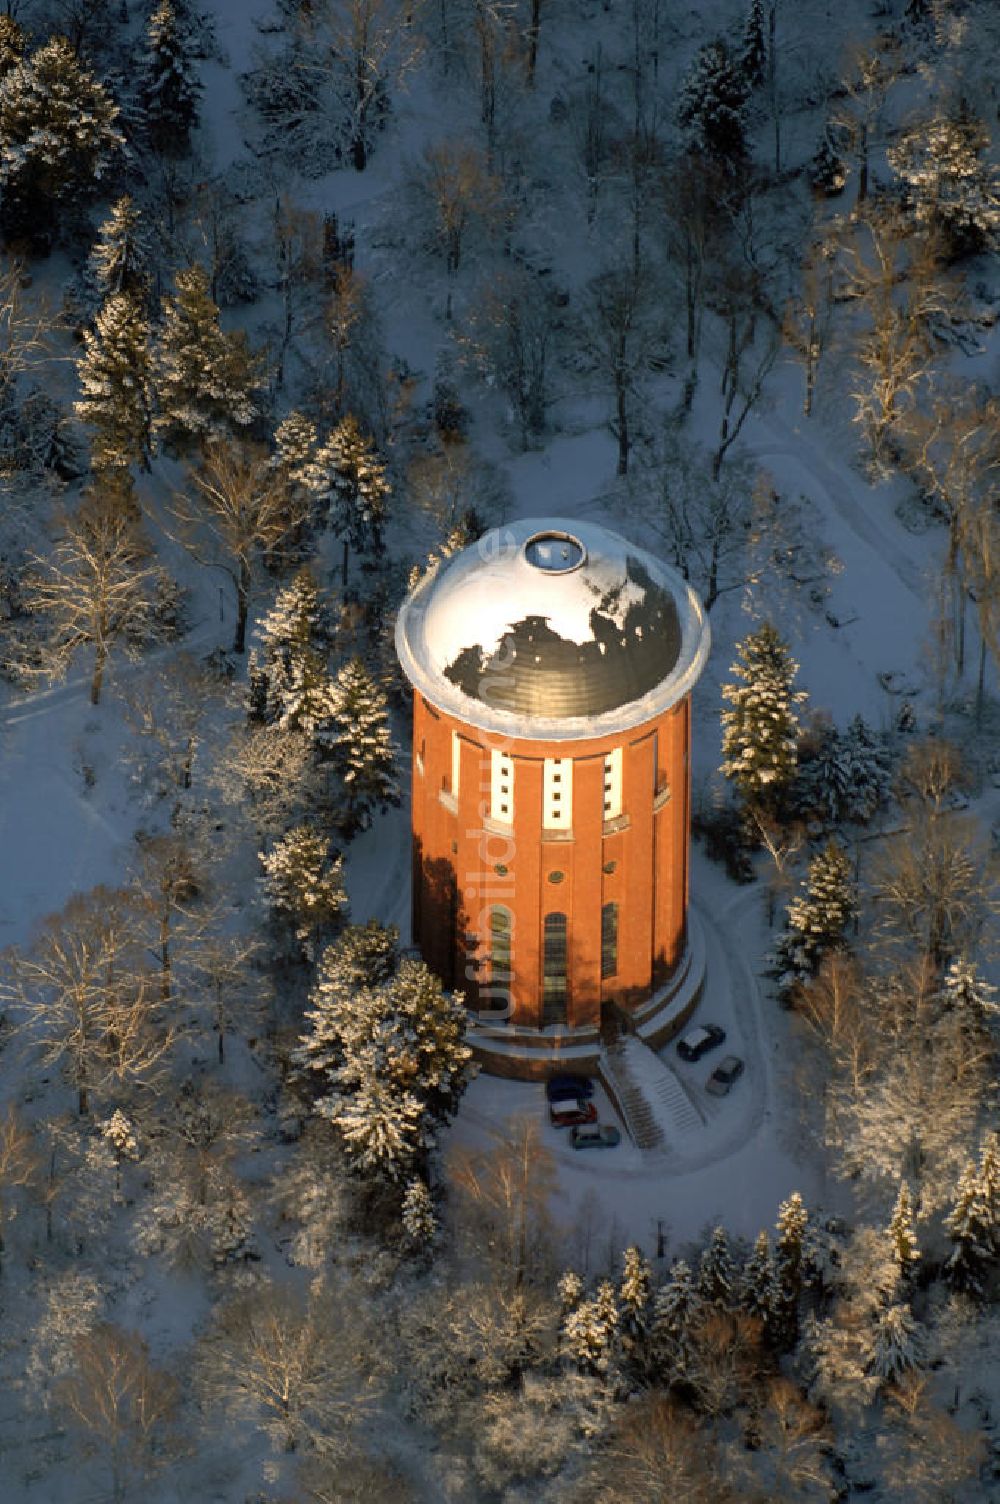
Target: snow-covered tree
{"points": [[817, 918], [118, 1132], [359, 488], [11, 44], [205, 380], [791, 1257], [304, 885], [969, 994], [760, 732], [358, 741], [389, 1060], [869, 774], [903, 1232], [291, 685], [633, 1295], [120, 259], [676, 1309], [114, 376], [58, 138], [753, 46], [897, 1343], [417, 1216], [19, 1165], [590, 1332], [971, 1231], [944, 166], [712, 102], [170, 85], [717, 1271], [757, 1288]]}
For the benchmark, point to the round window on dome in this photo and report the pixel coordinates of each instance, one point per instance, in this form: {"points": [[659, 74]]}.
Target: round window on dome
{"points": [[554, 552]]}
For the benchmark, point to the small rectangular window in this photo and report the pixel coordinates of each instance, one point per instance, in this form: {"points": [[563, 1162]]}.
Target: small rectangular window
{"points": [[456, 762], [501, 786], [613, 784], [557, 781]]}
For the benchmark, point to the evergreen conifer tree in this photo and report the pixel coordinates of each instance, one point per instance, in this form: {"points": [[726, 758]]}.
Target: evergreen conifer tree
{"points": [[120, 259], [675, 1310], [790, 1266], [753, 50], [58, 138], [971, 1230], [896, 1342], [205, 379], [292, 687], [867, 769], [712, 102], [760, 732], [359, 488], [817, 919], [11, 45], [757, 1283], [633, 1295], [590, 1330], [417, 1216], [903, 1232], [969, 994], [304, 885], [170, 85], [989, 1187], [358, 741], [114, 376], [717, 1271], [363, 957]]}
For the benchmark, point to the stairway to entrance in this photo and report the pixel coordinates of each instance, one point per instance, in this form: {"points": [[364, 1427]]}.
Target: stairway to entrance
{"points": [[654, 1103]]}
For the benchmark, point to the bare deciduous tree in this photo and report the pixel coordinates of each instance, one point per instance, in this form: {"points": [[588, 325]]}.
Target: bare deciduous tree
{"points": [[504, 1193], [19, 1165]]}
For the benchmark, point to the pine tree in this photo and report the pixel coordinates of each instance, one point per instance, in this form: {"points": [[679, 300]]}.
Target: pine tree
{"points": [[304, 885], [297, 462], [827, 169], [971, 1230], [969, 994], [753, 49], [675, 1310], [357, 738], [363, 957], [760, 733], [903, 1232], [170, 87], [114, 376], [790, 1266], [205, 379], [868, 774], [817, 918], [58, 138], [291, 685], [717, 1272], [570, 1289], [633, 1294], [590, 1331], [120, 259], [11, 45], [417, 1217], [359, 488], [896, 1343], [712, 103], [989, 1188], [403, 1067], [757, 1283], [953, 187]]}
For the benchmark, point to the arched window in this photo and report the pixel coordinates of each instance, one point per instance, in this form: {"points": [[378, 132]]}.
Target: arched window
{"points": [[609, 940], [554, 984], [501, 926]]}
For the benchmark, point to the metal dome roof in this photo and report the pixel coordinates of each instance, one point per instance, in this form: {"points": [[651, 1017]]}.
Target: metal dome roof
{"points": [[552, 628]]}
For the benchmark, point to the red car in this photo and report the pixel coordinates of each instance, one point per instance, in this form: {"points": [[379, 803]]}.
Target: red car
{"points": [[571, 1114]]}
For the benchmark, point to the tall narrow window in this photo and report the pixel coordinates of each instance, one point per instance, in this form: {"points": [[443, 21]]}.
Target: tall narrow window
{"points": [[557, 793], [609, 940], [502, 787], [500, 936], [456, 762], [554, 984], [613, 784]]}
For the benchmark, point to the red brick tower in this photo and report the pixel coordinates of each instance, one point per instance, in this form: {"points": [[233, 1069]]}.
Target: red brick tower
{"points": [[552, 665]]}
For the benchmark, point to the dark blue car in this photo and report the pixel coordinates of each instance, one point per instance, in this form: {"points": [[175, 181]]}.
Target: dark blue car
{"points": [[568, 1088]]}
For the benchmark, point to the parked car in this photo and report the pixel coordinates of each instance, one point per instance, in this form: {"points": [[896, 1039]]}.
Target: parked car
{"points": [[726, 1072], [568, 1088], [566, 1114], [595, 1136], [698, 1042]]}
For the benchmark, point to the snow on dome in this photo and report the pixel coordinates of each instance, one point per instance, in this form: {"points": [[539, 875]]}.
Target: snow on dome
{"points": [[550, 628]]}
